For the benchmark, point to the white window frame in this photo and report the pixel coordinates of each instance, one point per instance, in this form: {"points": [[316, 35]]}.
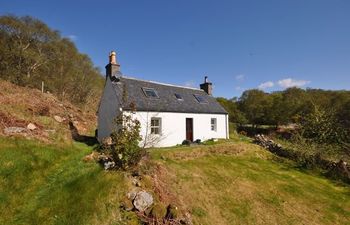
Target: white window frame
{"points": [[213, 126], [155, 127]]}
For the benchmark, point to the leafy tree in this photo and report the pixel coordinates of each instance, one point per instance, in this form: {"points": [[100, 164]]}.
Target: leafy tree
{"points": [[32, 53], [254, 104], [231, 106], [322, 126]]}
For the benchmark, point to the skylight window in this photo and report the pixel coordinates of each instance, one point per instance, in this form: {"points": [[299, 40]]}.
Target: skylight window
{"points": [[150, 92], [201, 99], [178, 97]]}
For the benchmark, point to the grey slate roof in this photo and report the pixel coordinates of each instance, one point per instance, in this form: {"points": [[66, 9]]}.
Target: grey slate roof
{"points": [[167, 102]]}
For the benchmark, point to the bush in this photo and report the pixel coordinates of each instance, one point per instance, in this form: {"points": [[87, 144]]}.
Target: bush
{"points": [[186, 142], [125, 150]]}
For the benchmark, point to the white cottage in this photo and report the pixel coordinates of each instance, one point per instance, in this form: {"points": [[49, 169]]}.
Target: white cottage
{"points": [[169, 114]]}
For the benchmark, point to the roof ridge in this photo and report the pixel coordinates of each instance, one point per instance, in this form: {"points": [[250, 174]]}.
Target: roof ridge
{"points": [[165, 84]]}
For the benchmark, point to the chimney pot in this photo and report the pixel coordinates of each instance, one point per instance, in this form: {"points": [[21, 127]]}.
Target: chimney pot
{"points": [[113, 67], [207, 86], [112, 58]]}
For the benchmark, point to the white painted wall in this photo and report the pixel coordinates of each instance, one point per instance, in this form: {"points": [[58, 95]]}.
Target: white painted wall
{"points": [[107, 111], [174, 127]]}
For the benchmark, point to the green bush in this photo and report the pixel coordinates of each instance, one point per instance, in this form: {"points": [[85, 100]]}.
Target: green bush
{"points": [[125, 150]]}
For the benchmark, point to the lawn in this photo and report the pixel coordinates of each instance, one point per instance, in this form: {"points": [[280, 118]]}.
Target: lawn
{"points": [[43, 184], [240, 183], [232, 182]]}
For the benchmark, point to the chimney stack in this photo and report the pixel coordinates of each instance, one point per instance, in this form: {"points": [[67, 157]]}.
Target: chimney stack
{"points": [[113, 67], [207, 86]]}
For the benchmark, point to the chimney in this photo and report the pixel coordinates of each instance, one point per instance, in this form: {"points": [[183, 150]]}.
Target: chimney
{"points": [[207, 86], [113, 68]]}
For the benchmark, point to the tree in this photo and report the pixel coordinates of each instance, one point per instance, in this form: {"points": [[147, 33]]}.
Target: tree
{"points": [[231, 106], [32, 53], [254, 103]]}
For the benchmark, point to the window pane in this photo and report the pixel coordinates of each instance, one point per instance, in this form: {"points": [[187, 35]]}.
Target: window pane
{"points": [[201, 99], [149, 92], [178, 96]]}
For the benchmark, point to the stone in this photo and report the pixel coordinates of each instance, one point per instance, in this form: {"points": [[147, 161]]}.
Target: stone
{"points": [[31, 126], [127, 205], [187, 220], [143, 201], [14, 130], [107, 141], [136, 182], [108, 165], [58, 119], [132, 194]]}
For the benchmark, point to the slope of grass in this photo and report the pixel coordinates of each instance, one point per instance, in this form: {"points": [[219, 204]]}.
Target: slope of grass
{"points": [[240, 183], [42, 184]]}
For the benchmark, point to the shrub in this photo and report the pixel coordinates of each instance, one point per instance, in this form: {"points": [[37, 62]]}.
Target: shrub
{"points": [[186, 142], [125, 150]]}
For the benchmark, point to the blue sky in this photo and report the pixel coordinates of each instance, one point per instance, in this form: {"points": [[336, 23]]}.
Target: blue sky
{"points": [[270, 44]]}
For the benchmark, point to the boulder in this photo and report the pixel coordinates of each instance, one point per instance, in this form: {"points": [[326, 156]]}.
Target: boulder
{"points": [[31, 126], [58, 119], [14, 130], [143, 201]]}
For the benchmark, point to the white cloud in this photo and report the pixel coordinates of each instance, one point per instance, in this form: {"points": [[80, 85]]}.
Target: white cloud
{"points": [[265, 85], [72, 37], [190, 83], [238, 88], [240, 77], [289, 82]]}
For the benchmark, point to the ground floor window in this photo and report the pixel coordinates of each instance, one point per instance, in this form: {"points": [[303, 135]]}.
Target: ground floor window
{"points": [[213, 124], [156, 125]]}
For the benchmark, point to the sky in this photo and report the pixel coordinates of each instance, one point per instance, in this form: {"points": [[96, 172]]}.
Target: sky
{"points": [[239, 45]]}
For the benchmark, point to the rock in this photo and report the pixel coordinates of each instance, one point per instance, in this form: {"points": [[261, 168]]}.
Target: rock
{"points": [[107, 141], [31, 126], [187, 220], [142, 201], [58, 119], [127, 205], [132, 194], [106, 162], [91, 157], [14, 130], [136, 182], [108, 165]]}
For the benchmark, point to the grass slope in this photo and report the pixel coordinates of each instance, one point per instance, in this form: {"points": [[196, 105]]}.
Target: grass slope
{"points": [[225, 183], [240, 183], [42, 184]]}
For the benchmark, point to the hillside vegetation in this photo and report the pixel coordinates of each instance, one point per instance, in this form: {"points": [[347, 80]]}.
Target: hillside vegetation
{"points": [[232, 182], [21, 106], [31, 53]]}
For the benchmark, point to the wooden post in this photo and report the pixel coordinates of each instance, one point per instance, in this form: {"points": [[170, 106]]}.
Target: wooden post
{"points": [[42, 86]]}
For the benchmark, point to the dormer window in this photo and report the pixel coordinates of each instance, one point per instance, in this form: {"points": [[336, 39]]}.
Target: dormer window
{"points": [[178, 97], [201, 99], [150, 92]]}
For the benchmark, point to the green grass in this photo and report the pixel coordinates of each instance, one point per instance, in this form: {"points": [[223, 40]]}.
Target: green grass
{"points": [[43, 184], [228, 182], [250, 187]]}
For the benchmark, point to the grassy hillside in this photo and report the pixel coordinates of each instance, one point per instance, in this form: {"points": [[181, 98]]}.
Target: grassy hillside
{"points": [[21, 106], [225, 183], [43, 184], [240, 183]]}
